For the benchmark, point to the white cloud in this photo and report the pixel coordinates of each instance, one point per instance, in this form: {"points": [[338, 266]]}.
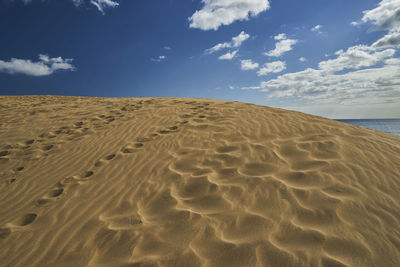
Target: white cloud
{"points": [[158, 59], [373, 78], [361, 76], [167, 48], [282, 46], [316, 28], [302, 59], [386, 16], [234, 43], [45, 66], [355, 57], [272, 67], [229, 55], [216, 13], [391, 39], [280, 36], [102, 4], [374, 85], [247, 64]]}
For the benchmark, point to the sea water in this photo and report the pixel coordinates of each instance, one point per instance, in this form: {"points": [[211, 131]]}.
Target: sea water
{"points": [[391, 126]]}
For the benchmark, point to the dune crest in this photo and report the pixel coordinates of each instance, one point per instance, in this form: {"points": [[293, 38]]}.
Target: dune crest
{"points": [[192, 182]]}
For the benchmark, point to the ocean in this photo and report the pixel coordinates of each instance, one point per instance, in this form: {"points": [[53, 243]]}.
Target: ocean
{"points": [[391, 126]]}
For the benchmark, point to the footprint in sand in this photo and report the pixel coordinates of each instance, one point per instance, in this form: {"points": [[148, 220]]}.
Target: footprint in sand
{"points": [[29, 142], [47, 147], [170, 130], [25, 220], [18, 169], [128, 150], [101, 162], [85, 176], [50, 196]]}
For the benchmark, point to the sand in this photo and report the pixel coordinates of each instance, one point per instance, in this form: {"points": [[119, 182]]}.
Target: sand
{"points": [[192, 182]]}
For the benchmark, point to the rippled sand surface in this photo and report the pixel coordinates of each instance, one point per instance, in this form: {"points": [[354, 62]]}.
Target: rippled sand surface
{"points": [[192, 182]]}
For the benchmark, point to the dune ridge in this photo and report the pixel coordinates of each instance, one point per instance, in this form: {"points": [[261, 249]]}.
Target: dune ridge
{"points": [[192, 182]]}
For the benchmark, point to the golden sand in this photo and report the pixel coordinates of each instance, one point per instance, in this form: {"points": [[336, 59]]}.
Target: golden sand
{"points": [[192, 182]]}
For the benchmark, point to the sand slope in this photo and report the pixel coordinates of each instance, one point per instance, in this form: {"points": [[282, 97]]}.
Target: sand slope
{"points": [[192, 182]]}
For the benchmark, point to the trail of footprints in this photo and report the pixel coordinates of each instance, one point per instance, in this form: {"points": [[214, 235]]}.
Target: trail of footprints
{"points": [[45, 142], [61, 187]]}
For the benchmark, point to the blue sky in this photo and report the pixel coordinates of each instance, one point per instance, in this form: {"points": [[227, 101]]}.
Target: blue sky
{"points": [[338, 59]]}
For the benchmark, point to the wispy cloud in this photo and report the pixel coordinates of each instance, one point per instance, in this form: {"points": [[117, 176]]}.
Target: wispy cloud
{"points": [[228, 56], [101, 5], [302, 59], [234, 43], [45, 66], [282, 46], [216, 13]]}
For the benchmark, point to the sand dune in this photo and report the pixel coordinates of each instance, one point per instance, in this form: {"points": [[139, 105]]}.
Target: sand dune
{"points": [[192, 182]]}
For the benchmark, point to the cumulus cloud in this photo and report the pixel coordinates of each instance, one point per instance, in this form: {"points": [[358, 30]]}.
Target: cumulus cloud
{"points": [[386, 16], [282, 46], [248, 64], [45, 66], [355, 57], [272, 67], [391, 39], [228, 56], [373, 76], [302, 59], [361, 74], [234, 43], [216, 13]]}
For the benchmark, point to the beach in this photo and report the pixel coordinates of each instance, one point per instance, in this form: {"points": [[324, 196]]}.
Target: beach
{"points": [[90, 181]]}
